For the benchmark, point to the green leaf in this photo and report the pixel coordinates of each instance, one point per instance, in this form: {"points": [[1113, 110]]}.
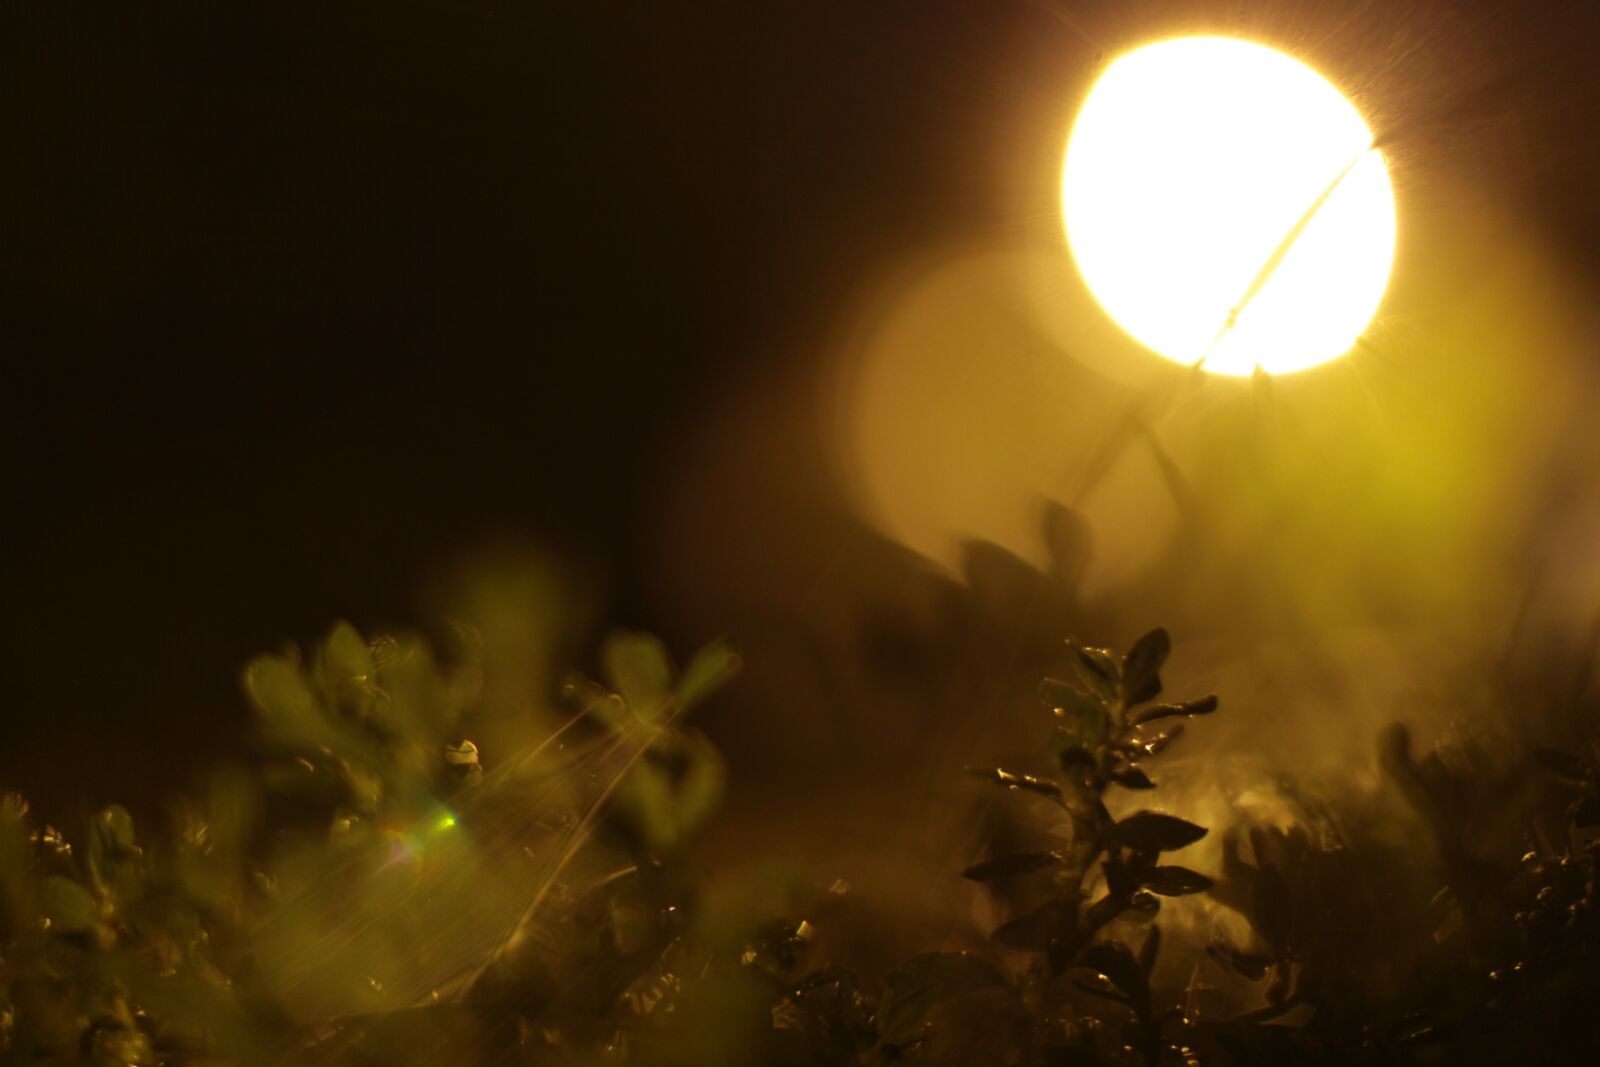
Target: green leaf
{"points": [[1069, 701], [700, 786], [1204, 706], [1042, 786], [111, 844], [708, 671], [1096, 668], [16, 864], [1010, 866], [1176, 881], [277, 688], [1141, 669], [344, 657], [911, 993], [113, 831], [668, 796], [642, 801], [289, 711], [1082, 716], [416, 694], [638, 668], [1152, 831], [117, 1046], [69, 908]]}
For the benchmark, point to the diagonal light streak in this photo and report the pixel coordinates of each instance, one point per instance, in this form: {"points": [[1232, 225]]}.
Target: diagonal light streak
{"points": [[1270, 266]]}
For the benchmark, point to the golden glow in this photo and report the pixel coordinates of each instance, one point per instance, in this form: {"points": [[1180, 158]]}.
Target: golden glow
{"points": [[1226, 206]]}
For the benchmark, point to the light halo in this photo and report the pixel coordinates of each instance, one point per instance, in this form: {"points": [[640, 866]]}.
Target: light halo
{"points": [[1227, 206]]}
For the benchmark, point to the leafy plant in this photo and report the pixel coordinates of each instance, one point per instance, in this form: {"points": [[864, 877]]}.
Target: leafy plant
{"points": [[364, 876], [1110, 868], [377, 889]]}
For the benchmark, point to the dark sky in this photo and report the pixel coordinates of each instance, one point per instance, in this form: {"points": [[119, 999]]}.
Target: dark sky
{"points": [[300, 296]]}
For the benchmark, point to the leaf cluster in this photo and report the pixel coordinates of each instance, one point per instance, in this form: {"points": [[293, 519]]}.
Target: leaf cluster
{"points": [[1110, 868], [547, 908]]}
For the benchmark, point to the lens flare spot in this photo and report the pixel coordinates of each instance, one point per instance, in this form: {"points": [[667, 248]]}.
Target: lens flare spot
{"points": [[1228, 207]]}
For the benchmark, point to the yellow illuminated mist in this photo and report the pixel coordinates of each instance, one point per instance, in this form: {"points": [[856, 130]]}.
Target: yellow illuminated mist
{"points": [[1226, 206]]}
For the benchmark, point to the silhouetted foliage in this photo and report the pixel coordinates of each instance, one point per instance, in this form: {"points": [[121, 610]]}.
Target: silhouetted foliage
{"points": [[375, 888]]}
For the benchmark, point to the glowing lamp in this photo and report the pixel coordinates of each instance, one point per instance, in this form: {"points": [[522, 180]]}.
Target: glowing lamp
{"points": [[1227, 206]]}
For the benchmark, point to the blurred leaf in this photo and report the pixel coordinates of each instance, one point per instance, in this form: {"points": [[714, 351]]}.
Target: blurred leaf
{"points": [[1269, 907], [111, 843], [1039, 928], [1097, 669], [113, 830], [1142, 908], [667, 797], [1141, 670], [1204, 706], [116, 1046], [1067, 539], [1565, 764], [910, 993], [13, 809], [290, 711], [579, 692], [1149, 951], [638, 668], [1158, 744], [1176, 881], [1010, 866], [1153, 831], [417, 693], [1116, 961], [1069, 701], [642, 801], [364, 788], [1251, 965], [1119, 877], [463, 755], [1133, 778], [279, 690], [16, 864], [1278, 988], [1042, 786], [1084, 717], [1075, 759], [344, 657], [591, 697], [701, 785], [70, 908], [708, 671], [1105, 992]]}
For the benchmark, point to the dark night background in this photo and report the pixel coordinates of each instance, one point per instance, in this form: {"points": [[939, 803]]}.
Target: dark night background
{"points": [[300, 298]]}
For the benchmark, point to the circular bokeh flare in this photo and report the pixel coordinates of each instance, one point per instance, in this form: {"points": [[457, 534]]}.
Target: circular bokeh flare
{"points": [[1226, 206]]}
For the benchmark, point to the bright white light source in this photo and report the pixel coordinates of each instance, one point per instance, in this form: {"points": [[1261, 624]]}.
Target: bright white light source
{"points": [[1226, 206]]}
